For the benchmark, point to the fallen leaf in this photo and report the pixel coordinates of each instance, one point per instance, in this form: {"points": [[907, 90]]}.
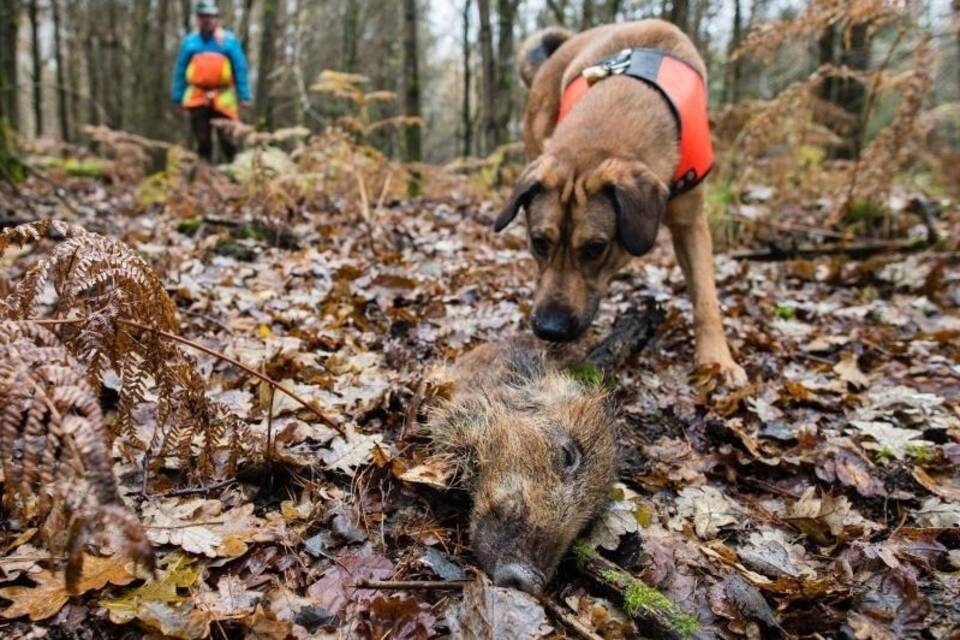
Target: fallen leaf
{"points": [[493, 613], [347, 454], [889, 440], [49, 594], [435, 471], [934, 513], [335, 588], [708, 509], [849, 371], [201, 526], [619, 519]]}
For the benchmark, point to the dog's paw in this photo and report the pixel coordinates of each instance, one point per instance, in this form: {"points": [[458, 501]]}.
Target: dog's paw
{"points": [[733, 375], [725, 371]]}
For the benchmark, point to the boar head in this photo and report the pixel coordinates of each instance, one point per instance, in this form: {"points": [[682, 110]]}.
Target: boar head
{"points": [[539, 457]]}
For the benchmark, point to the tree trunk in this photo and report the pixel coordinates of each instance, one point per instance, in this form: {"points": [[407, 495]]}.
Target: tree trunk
{"points": [[156, 112], [559, 10], [186, 11], [853, 94], [956, 22], [733, 71], [63, 108], [115, 68], [268, 49], [586, 15], [413, 151], [9, 27], [610, 11], [351, 27], [37, 69], [488, 71], [505, 74], [244, 32], [680, 14], [848, 94], [91, 50], [466, 121]]}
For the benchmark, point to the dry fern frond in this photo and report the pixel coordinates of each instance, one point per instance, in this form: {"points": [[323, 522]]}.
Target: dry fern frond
{"points": [[112, 310], [764, 40], [903, 139], [54, 447]]}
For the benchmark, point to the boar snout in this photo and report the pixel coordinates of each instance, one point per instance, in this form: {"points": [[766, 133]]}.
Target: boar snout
{"points": [[509, 549], [519, 576]]}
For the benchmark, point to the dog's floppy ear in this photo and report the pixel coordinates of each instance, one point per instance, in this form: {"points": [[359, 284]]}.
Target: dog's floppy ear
{"points": [[524, 192], [640, 203]]}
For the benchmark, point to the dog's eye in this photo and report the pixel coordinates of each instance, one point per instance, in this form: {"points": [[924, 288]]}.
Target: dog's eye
{"points": [[540, 246], [593, 250], [571, 457]]}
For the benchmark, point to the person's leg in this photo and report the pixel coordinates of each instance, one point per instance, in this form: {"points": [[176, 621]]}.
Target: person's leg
{"points": [[228, 148], [203, 132]]}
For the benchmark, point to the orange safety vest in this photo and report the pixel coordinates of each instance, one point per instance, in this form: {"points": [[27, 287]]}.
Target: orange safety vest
{"points": [[210, 84], [683, 89]]}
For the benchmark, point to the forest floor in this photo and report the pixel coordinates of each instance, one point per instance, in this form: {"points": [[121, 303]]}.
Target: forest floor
{"points": [[823, 500]]}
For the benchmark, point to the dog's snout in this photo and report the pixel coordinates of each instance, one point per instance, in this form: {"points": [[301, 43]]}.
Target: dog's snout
{"points": [[555, 323], [519, 576]]}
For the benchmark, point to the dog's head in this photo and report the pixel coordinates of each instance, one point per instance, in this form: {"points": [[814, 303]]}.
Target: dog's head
{"points": [[583, 227]]}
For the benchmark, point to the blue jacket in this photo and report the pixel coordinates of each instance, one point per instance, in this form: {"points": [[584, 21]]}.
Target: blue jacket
{"points": [[198, 43]]}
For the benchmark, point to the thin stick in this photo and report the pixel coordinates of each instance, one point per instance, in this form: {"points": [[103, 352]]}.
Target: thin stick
{"points": [[192, 490], [216, 354], [860, 250], [569, 620], [393, 585], [365, 213]]}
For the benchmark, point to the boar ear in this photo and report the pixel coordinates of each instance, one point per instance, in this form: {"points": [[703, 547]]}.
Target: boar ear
{"points": [[640, 203], [520, 198]]}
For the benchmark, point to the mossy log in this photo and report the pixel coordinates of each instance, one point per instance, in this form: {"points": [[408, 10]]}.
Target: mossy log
{"points": [[656, 615]]}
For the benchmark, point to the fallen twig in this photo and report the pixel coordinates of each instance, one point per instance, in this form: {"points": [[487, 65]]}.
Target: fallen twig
{"points": [[659, 616], [192, 490], [859, 250], [396, 585], [630, 333], [330, 422], [568, 619]]}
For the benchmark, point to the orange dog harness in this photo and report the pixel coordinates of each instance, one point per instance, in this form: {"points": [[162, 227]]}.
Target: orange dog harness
{"points": [[685, 92]]}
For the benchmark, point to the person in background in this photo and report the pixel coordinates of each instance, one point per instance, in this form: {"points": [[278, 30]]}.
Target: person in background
{"points": [[210, 80]]}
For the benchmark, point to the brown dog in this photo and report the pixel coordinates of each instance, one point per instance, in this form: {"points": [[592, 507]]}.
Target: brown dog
{"points": [[596, 188]]}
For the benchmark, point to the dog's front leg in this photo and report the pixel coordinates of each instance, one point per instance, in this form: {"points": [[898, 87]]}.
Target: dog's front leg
{"points": [[694, 250]]}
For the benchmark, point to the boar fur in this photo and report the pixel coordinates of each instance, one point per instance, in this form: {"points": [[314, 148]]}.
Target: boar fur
{"points": [[538, 453]]}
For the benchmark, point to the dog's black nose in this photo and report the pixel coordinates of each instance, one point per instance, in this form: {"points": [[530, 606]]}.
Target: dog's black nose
{"points": [[555, 323]]}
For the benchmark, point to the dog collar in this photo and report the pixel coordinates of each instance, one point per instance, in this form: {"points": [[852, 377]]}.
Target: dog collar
{"points": [[684, 90]]}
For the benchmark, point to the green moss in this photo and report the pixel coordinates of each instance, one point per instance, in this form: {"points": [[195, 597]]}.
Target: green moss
{"points": [[84, 168], [587, 374], [189, 226], [786, 311], [153, 190], [248, 231], [884, 454], [640, 597], [91, 168], [921, 453], [583, 552]]}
